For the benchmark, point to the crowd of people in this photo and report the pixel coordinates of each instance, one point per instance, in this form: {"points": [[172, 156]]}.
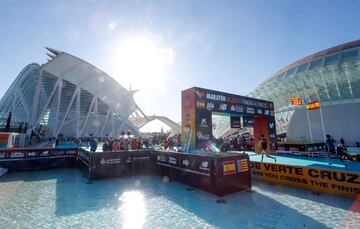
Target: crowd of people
{"points": [[340, 150], [236, 143], [167, 142], [124, 142]]}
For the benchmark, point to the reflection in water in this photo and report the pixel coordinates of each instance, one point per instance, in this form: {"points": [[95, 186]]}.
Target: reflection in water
{"points": [[133, 209]]}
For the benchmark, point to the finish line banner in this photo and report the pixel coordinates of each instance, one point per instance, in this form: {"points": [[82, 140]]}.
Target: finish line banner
{"points": [[345, 183]]}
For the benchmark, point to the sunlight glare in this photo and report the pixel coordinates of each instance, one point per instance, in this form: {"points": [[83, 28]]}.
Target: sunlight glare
{"points": [[133, 209], [141, 63]]}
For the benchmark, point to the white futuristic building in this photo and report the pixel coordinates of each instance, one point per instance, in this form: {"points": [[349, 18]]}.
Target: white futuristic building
{"points": [[70, 96], [331, 76]]}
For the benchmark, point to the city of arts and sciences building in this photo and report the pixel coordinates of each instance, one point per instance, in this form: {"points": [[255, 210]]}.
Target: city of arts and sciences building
{"points": [[71, 96]]}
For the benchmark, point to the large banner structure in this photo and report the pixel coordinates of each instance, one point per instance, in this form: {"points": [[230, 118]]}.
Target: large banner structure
{"points": [[198, 104]]}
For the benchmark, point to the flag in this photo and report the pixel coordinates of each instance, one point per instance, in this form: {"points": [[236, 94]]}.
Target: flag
{"points": [[313, 105], [296, 101], [229, 167], [242, 165]]}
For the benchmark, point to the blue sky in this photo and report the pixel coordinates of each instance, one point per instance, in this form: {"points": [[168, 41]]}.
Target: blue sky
{"points": [[230, 46]]}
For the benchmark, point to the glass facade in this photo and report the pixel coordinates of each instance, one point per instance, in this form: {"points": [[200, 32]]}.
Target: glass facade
{"points": [[332, 78]]}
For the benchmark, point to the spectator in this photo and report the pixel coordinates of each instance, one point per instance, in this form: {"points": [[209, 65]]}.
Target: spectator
{"points": [[116, 145], [93, 144], [330, 144], [106, 146], [57, 141]]}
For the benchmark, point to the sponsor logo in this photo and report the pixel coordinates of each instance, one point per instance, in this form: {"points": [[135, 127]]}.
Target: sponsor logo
{"points": [[232, 108], [210, 106], [200, 104], [102, 161], [172, 160], [233, 100], [259, 111], [239, 109], [72, 152], [215, 97], [200, 94], [31, 154], [201, 136], [2, 155], [250, 110], [204, 165], [229, 167], [203, 123], [271, 125], [128, 160], [223, 106], [17, 154], [44, 153], [141, 158], [161, 158], [57, 153], [253, 103], [110, 161], [185, 162]]}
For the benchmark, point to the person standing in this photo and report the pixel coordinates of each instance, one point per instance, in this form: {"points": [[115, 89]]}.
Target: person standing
{"points": [[57, 141], [116, 145], [93, 144], [330, 147], [330, 144], [106, 145]]}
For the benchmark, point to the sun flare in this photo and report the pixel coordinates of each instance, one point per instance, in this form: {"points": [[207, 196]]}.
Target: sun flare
{"points": [[141, 63]]}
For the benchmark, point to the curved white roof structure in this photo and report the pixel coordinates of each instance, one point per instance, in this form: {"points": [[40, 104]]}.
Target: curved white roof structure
{"points": [[331, 76], [70, 96]]}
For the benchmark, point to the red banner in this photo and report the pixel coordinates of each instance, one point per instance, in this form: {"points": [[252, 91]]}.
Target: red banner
{"points": [[313, 105]]}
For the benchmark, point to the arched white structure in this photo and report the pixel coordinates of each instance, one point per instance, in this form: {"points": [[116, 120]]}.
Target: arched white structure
{"points": [[174, 127]]}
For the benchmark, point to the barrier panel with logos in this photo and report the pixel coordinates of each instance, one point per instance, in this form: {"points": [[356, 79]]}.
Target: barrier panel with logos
{"points": [[217, 174], [301, 147], [37, 158], [340, 182], [220, 175], [120, 163]]}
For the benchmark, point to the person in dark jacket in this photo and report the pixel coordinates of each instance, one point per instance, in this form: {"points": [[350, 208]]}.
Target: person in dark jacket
{"points": [[106, 146], [93, 144]]}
